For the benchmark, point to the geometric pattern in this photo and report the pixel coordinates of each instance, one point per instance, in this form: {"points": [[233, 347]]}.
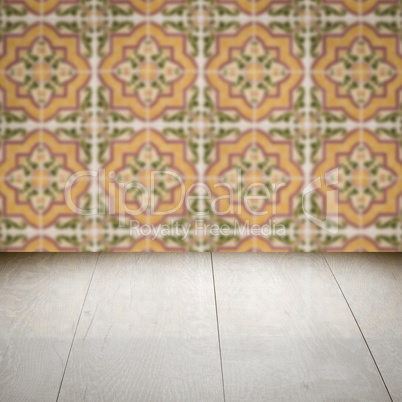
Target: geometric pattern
{"points": [[373, 83], [364, 7], [40, 7], [43, 72], [368, 176], [258, 163], [35, 171], [201, 125], [254, 72], [142, 73]]}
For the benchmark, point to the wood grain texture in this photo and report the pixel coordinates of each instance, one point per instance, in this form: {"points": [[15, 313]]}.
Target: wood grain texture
{"points": [[148, 332], [372, 285], [287, 333], [41, 296]]}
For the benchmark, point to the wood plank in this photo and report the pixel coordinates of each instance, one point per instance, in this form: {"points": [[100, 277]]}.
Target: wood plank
{"points": [[41, 296], [287, 333], [372, 285], [148, 332]]}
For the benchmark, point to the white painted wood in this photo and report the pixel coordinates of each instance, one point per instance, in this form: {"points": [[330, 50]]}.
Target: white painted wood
{"points": [[372, 284], [41, 296], [148, 332], [287, 333]]}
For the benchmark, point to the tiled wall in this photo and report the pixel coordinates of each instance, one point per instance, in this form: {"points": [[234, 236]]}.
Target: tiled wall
{"points": [[295, 95]]}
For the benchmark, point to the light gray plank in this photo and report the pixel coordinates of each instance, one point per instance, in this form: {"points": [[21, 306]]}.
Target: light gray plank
{"points": [[148, 332], [41, 296], [287, 333], [372, 285]]}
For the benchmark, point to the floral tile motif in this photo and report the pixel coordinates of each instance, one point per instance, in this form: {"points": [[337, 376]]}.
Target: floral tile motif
{"points": [[252, 7], [254, 72], [201, 125], [358, 72], [148, 72], [150, 161], [35, 7], [143, 7], [242, 164], [34, 244], [360, 243], [362, 7], [34, 171], [43, 72], [368, 177]]}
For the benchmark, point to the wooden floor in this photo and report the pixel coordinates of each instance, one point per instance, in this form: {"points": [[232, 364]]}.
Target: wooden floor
{"points": [[200, 327]]}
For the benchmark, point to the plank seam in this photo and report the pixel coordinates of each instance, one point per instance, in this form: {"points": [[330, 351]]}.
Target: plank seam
{"points": [[76, 327], [358, 326], [217, 326]]}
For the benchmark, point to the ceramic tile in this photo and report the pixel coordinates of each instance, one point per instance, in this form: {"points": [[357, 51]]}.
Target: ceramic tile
{"points": [[300, 99]]}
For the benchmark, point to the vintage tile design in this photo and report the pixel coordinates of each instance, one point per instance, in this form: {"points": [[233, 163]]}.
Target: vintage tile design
{"points": [[148, 71], [254, 158], [358, 72], [35, 171], [361, 7], [254, 72], [136, 160], [43, 72], [368, 182], [253, 7], [280, 121], [38, 7]]}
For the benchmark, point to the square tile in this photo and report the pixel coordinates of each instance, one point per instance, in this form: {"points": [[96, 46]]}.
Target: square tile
{"points": [[381, 92], [148, 72], [253, 73], [44, 72], [43, 178]]}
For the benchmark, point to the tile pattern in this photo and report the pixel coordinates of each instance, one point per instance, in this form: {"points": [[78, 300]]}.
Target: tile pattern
{"points": [[279, 92]]}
